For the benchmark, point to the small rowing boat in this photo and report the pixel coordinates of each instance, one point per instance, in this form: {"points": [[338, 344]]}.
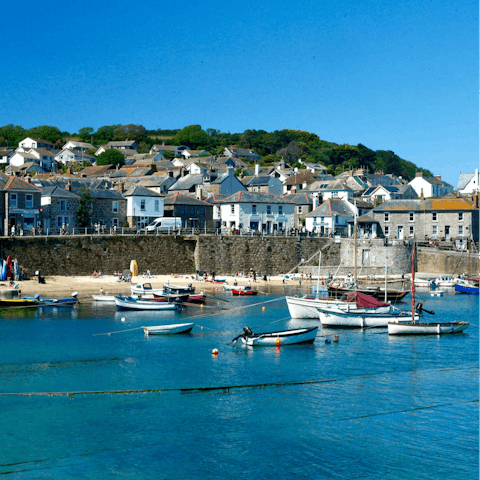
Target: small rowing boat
{"points": [[244, 292], [275, 339], [432, 328], [18, 302], [169, 329]]}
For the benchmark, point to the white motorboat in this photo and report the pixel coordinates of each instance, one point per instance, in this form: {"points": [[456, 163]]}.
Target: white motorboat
{"points": [[169, 288], [129, 303], [104, 298], [445, 281], [353, 319], [414, 328], [424, 282], [307, 306], [275, 339], [229, 288], [145, 289], [168, 329]]}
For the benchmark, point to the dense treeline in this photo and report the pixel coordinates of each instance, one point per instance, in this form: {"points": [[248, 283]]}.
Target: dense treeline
{"points": [[291, 145]]}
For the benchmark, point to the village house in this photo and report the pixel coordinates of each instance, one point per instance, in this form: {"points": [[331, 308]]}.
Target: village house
{"points": [[36, 143], [78, 146], [331, 217], [304, 204], [66, 156], [450, 219], [245, 153], [194, 213], [468, 183], [6, 154], [390, 192], [143, 205], [427, 187], [58, 209], [254, 212]]}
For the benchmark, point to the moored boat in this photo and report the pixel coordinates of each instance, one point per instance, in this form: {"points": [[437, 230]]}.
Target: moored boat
{"points": [[18, 302], [129, 303], [169, 329], [145, 288], [104, 298], [433, 328], [392, 294], [169, 288], [244, 292], [236, 287], [353, 319], [275, 339], [463, 288]]}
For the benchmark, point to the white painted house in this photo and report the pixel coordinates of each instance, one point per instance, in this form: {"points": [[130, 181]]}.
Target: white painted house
{"points": [[36, 143], [252, 211], [430, 186], [79, 146], [143, 206], [469, 183], [331, 217], [66, 156]]}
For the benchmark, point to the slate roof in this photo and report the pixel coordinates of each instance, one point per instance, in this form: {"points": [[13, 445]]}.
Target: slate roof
{"points": [[428, 204], [300, 177], [179, 199], [15, 183], [300, 198], [435, 181], [188, 181], [462, 180], [58, 192], [139, 191], [331, 207], [81, 144], [255, 197], [98, 170], [125, 143]]}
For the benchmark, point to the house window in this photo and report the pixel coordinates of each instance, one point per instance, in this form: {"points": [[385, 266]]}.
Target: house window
{"points": [[254, 209], [157, 205], [299, 210], [460, 216], [142, 204], [412, 231], [28, 200], [115, 207], [115, 222], [280, 210], [192, 210], [63, 220], [460, 229], [434, 216], [434, 230], [387, 217], [387, 230], [182, 210], [411, 217], [269, 209], [218, 211], [202, 210], [13, 199], [63, 205], [232, 209], [202, 223], [322, 219]]}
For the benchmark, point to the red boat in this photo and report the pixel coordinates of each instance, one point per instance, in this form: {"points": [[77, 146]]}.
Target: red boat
{"points": [[243, 292]]}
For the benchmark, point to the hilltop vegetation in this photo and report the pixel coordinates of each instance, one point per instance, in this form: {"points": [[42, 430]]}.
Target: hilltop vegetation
{"points": [[291, 145]]}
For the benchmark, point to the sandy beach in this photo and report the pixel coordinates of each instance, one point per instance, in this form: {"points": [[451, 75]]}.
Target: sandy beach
{"points": [[60, 286]]}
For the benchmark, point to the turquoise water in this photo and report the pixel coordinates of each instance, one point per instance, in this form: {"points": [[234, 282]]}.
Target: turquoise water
{"points": [[370, 406]]}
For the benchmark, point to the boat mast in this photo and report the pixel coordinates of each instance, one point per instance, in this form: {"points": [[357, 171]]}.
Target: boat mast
{"points": [[355, 241], [413, 283], [318, 274], [385, 274]]}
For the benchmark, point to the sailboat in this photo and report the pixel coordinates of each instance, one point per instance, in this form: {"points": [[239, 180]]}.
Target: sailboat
{"points": [[417, 328]]}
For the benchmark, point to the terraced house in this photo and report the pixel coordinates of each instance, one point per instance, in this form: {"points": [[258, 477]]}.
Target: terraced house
{"points": [[444, 219]]}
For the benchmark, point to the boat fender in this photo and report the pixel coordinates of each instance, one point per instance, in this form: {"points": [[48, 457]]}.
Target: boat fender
{"points": [[336, 338], [327, 340]]}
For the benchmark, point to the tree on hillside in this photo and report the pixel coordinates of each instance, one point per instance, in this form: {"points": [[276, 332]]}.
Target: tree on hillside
{"points": [[85, 134], [130, 132], [111, 157], [46, 132], [84, 209], [11, 135], [104, 134], [168, 154], [192, 136]]}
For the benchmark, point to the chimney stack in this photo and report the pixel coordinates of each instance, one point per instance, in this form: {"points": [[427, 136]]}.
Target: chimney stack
{"points": [[439, 177], [257, 169], [418, 174], [68, 186]]}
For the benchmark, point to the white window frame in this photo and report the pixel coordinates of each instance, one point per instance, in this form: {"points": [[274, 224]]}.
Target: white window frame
{"points": [[460, 230], [411, 216], [460, 216], [386, 217], [434, 230], [142, 205], [434, 216], [411, 232]]}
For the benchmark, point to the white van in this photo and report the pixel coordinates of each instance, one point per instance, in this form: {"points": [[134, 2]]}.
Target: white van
{"points": [[164, 224]]}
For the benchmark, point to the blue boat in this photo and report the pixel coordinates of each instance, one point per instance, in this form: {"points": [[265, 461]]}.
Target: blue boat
{"points": [[471, 289], [55, 302]]}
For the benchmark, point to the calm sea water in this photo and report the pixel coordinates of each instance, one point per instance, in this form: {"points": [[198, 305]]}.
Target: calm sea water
{"points": [[371, 406]]}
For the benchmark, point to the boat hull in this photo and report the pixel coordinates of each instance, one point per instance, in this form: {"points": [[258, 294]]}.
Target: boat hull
{"points": [[339, 319], [104, 298], [466, 289], [129, 303], [410, 328], [169, 329], [286, 337], [20, 302], [308, 307], [242, 293], [392, 295]]}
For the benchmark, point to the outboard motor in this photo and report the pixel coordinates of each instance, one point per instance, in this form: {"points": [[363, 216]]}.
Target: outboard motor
{"points": [[247, 331]]}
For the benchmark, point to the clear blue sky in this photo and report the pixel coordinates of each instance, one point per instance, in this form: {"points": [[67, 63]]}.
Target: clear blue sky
{"points": [[391, 75]]}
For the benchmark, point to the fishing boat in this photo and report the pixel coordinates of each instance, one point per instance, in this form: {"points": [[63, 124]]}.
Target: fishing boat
{"points": [[169, 288], [130, 303], [424, 282], [55, 302], [18, 302], [169, 329], [426, 328], [244, 292], [145, 289], [275, 339], [446, 280], [465, 288]]}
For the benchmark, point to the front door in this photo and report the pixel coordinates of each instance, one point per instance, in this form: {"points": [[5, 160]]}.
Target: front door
{"points": [[447, 232], [400, 232]]}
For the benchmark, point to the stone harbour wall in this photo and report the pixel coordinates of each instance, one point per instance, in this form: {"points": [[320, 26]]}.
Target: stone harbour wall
{"points": [[433, 260]]}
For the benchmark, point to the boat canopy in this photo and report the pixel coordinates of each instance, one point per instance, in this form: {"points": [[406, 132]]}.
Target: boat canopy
{"points": [[364, 301]]}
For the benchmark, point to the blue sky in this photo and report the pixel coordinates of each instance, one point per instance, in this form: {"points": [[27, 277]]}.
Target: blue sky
{"points": [[391, 75]]}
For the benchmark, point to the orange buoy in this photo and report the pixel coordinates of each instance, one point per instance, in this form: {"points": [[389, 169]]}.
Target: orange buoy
{"points": [[215, 351], [263, 308], [278, 341]]}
